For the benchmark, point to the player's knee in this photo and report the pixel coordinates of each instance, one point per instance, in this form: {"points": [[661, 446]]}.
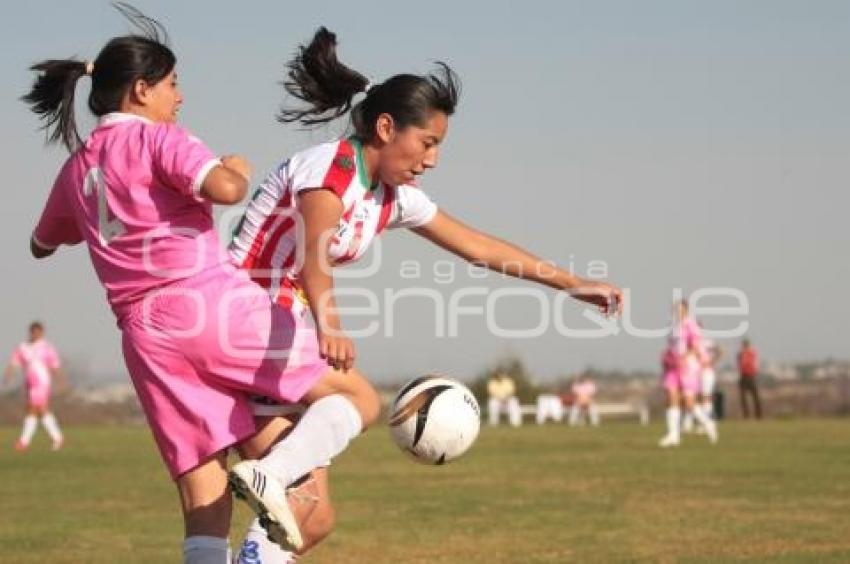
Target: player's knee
{"points": [[369, 406]]}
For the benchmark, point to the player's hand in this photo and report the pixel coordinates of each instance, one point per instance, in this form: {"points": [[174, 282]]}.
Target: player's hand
{"points": [[606, 297], [238, 164], [338, 350]]}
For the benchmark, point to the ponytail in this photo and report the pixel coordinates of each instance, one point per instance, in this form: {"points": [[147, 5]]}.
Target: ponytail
{"points": [[143, 55], [328, 87], [318, 78], [52, 98]]}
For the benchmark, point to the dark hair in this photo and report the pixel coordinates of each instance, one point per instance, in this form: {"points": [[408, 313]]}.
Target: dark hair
{"points": [[36, 325], [316, 76], [122, 61]]}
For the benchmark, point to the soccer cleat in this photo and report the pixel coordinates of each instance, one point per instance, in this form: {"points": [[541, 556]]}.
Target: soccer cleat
{"points": [[21, 446], [57, 445], [668, 441], [265, 495]]}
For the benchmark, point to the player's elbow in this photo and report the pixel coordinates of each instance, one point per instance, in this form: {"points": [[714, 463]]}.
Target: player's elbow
{"points": [[224, 187], [230, 192], [234, 192]]}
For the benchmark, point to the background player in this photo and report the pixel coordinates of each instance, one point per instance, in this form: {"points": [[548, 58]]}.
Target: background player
{"points": [[39, 362]]}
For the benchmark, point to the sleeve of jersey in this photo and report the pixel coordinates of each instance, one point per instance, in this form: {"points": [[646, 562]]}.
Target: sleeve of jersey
{"points": [[181, 159], [693, 334], [330, 167], [413, 208], [57, 225]]}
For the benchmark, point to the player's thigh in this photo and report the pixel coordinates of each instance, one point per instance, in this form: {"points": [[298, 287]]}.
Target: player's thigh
{"points": [[351, 384], [270, 430]]}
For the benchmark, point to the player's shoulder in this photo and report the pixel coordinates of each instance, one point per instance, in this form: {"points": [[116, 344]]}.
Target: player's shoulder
{"points": [[321, 154]]}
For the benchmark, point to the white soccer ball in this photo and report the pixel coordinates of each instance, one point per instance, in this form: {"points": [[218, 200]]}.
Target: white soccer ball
{"points": [[434, 419]]}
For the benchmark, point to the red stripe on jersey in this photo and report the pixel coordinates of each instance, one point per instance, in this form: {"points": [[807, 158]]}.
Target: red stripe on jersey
{"points": [[257, 244], [386, 208], [264, 260], [342, 170], [286, 293]]}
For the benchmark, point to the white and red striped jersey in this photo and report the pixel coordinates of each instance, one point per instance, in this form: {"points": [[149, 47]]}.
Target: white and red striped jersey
{"points": [[266, 240]]}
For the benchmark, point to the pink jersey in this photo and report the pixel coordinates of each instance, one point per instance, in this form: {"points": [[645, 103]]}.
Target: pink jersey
{"points": [[265, 242], [686, 334], [706, 351], [584, 391], [132, 193], [37, 360], [670, 359]]}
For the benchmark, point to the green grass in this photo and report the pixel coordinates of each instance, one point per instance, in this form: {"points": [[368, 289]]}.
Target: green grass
{"points": [[771, 492]]}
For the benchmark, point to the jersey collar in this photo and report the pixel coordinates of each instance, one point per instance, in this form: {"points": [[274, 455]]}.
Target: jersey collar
{"points": [[361, 164], [120, 117]]}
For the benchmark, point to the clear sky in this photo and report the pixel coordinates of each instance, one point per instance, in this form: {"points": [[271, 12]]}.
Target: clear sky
{"points": [[684, 144]]}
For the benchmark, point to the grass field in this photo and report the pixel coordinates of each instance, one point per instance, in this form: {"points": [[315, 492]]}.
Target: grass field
{"points": [[772, 492]]}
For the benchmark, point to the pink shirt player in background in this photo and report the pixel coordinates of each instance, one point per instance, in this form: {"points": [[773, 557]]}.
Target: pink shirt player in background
{"points": [[584, 390], [682, 365], [40, 364]]}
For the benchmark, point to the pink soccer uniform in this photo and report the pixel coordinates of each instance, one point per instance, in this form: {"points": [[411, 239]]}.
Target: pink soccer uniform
{"points": [[37, 360], [132, 194], [197, 333], [265, 241], [584, 392], [670, 364], [684, 335]]}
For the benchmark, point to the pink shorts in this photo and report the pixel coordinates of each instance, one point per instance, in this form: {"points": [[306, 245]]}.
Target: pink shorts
{"points": [[197, 349], [681, 382], [38, 395]]}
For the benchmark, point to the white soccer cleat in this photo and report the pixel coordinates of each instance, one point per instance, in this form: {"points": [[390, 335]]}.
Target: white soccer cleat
{"points": [[266, 496], [669, 441]]}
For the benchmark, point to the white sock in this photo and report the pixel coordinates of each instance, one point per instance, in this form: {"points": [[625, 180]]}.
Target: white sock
{"points": [[258, 549], [205, 550], [28, 430], [708, 408], [688, 422], [674, 416], [323, 432], [704, 420], [51, 426]]}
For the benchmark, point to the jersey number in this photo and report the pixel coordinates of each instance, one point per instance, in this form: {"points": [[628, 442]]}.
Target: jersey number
{"points": [[107, 229]]}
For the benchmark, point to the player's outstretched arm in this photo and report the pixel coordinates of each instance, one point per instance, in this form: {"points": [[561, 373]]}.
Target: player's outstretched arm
{"points": [[8, 374], [499, 255]]}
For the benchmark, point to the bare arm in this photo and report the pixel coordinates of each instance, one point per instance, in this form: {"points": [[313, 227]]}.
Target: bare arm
{"points": [[8, 374], [479, 248], [321, 210], [59, 377], [227, 184]]}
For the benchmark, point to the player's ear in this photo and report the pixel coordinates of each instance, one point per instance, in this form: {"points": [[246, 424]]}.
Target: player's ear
{"points": [[385, 128]]}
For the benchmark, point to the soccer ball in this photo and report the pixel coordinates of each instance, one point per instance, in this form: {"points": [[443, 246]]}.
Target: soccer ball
{"points": [[434, 419]]}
